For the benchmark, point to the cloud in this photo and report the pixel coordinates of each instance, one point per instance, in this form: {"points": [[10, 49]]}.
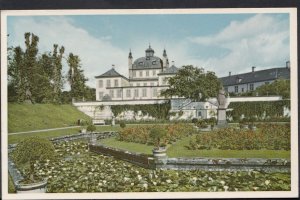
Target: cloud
{"points": [[262, 41], [97, 54]]}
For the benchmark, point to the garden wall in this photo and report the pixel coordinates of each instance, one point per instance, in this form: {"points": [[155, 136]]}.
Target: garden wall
{"points": [[142, 160]]}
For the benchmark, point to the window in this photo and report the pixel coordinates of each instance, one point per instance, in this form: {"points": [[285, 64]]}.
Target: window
{"points": [[147, 73], [145, 84], [153, 72], [251, 87], [199, 114], [100, 95], [138, 84], [111, 93], [116, 83], [152, 84], [154, 62], [144, 92], [242, 89], [141, 73], [236, 89], [107, 83], [131, 84], [100, 84], [134, 73], [154, 92], [119, 93], [136, 92], [128, 93]]}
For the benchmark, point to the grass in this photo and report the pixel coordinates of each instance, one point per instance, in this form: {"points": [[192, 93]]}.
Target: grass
{"points": [[11, 186], [27, 117], [179, 150], [56, 133], [130, 146]]}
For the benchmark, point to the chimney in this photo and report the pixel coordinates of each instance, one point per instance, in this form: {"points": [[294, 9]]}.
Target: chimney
{"points": [[229, 73], [173, 63], [113, 66], [253, 68], [288, 64]]}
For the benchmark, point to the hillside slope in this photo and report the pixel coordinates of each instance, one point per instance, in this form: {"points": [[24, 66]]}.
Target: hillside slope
{"points": [[27, 117]]}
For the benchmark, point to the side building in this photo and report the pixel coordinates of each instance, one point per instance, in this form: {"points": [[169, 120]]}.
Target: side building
{"points": [[247, 82]]}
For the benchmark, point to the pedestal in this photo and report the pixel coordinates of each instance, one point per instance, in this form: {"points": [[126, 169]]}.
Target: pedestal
{"points": [[222, 117]]}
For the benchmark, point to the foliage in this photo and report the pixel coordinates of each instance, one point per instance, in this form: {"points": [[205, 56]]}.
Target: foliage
{"points": [[141, 134], [76, 77], [122, 124], [273, 137], [79, 171], [158, 111], [190, 81], [278, 87], [259, 109], [33, 149], [91, 128], [36, 77], [194, 120], [11, 186], [157, 135]]}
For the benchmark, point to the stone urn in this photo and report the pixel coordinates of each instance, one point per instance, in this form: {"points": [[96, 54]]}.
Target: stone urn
{"points": [[160, 152], [38, 187]]}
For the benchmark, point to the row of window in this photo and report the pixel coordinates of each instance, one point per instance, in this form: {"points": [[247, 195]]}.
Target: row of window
{"points": [[236, 88], [128, 93], [146, 74], [108, 83]]}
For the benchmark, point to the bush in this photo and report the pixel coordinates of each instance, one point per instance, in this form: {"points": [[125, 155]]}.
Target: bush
{"points": [[141, 134], [91, 128], [122, 124], [272, 136], [157, 135], [202, 124], [194, 120], [31, 150]]}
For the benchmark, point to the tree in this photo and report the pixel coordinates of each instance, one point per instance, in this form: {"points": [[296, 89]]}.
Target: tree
{"points": [[31, 150], [278, 87], [76, 77], [193, 83], [57, 77]]}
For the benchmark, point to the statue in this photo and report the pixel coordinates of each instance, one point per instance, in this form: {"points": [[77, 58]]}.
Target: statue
{"points": [[222, 101]]}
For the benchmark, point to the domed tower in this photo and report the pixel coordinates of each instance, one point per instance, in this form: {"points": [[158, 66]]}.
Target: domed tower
{"points": [[130, 58], [165, 60], [149, 52]]}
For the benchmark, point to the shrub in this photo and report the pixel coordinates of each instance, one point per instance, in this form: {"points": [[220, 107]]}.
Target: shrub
{"points": [[194, 120], [201, 124], [122, 124], [157, 135], [31, 150], [273, 137], [91, 128]]}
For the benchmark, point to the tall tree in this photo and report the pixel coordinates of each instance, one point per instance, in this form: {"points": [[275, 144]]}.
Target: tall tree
{"points": [[76, 77], [30, 66], [57, 73], [193, 83]]}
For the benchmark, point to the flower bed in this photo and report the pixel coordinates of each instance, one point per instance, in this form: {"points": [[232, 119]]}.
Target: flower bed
{"points": [[78, 170], [141, 134], [271, 136]]}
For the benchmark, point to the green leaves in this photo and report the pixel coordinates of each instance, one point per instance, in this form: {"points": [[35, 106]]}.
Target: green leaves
{"points": [[190, 81]]}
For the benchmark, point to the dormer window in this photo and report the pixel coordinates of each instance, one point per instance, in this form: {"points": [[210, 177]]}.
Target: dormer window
{"points": [[238, 80], [140, 63], [154, 62]]}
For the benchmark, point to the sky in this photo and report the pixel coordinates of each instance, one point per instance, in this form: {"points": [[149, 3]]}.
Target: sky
{"points": [[221, 43]]}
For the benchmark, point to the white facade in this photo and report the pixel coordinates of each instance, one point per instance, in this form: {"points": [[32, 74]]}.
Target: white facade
{"points": [[147, 78]]}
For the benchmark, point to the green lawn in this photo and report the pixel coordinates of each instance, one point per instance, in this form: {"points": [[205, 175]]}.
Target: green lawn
{"points": [[179, 150], [50, 134], [11, 186], [130, 146], [27, 117]]}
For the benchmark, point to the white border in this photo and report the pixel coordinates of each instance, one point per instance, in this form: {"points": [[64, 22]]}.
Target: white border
{"points": [[141, 195]]}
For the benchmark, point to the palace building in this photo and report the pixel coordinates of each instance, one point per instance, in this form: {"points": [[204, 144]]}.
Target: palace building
{"points": [[148, 75]]}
